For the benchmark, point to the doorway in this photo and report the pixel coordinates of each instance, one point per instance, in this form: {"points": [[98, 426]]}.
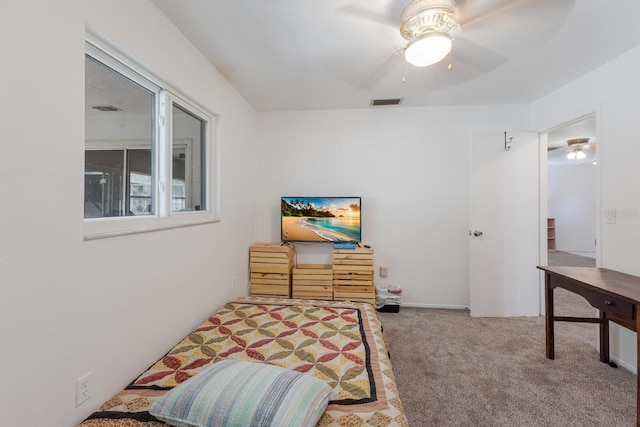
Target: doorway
{"points": [[571, 187], [569, 195]]}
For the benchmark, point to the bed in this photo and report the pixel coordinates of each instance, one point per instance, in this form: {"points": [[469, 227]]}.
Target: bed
{"points": [[340, 343]]}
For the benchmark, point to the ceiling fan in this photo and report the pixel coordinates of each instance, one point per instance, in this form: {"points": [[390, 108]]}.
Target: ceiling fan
{"points": [[576, 148], [481, 34]]}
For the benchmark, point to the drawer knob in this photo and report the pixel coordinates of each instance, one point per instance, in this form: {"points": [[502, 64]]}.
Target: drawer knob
{"points": [[609, 303]]}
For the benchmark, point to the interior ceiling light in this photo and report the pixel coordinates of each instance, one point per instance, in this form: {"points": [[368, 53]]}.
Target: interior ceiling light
{"points": [[428, 49], [428, 25], [576, 154]]}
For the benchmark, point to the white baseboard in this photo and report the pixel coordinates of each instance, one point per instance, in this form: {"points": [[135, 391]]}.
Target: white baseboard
{"points": [[449, 307], [622, 363]]}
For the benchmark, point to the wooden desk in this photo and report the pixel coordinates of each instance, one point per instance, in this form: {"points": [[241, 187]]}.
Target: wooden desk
{"points": [[615, 294]]}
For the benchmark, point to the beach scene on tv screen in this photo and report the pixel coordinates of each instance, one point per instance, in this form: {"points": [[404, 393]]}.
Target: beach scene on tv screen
{"points": [[321, 219]]}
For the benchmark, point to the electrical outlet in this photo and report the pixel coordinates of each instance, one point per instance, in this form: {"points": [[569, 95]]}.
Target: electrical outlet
{"points": [[83, 389], [384, 271], [233, 281]]}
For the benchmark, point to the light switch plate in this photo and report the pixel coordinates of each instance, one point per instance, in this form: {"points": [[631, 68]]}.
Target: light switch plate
{"points": [[610, 215]]}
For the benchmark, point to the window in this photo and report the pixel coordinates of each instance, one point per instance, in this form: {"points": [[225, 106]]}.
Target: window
{"points": [[187, 169], [148, 151], [117, 182]]}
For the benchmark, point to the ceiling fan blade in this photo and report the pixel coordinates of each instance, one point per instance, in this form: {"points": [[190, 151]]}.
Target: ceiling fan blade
{"points": [[510, 27], [478, 57], [379, 72], [378, 17], [470, 11], [586, 147], [476, 13]]}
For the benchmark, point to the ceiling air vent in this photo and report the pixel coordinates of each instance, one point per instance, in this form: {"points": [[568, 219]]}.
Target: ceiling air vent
{"points": [[381, 102], [106, 108]]}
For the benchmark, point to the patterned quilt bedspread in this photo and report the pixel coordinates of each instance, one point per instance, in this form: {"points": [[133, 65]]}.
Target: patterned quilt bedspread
{"points": [[338, 342]]}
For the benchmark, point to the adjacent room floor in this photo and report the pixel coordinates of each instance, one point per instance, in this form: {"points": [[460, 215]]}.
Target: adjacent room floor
{"points": [[567, 303], [569, 259]]}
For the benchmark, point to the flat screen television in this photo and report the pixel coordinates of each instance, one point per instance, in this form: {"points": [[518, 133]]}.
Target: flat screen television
{"points": [[320, 219]]}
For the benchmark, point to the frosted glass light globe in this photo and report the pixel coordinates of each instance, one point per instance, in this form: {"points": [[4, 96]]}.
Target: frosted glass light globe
{"points": [[428, 49]]}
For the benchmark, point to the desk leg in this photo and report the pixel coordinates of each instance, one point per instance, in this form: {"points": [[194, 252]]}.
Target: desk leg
{"points": [[548, 316], [604, 337]]}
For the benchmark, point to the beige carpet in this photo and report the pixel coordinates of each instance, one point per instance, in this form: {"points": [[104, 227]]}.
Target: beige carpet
{"points": [[454, 370], [569, 259]]}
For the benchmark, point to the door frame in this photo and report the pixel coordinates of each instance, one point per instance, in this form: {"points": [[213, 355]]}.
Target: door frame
{"points": [[543, 193]]}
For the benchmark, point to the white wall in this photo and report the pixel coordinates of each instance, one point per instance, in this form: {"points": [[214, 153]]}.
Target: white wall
{"points": [[109, 306], [411, 167], [571, 195], [612, 91]]}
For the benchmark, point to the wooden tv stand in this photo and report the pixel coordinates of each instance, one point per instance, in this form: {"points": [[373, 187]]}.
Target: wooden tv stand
{"points": [[349, 277]]}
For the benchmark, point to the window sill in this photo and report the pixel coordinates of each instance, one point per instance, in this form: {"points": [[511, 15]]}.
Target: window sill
{"points": [[100, 228]]}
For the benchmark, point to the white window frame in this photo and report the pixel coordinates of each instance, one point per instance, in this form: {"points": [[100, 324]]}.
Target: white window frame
{"points": [[187, 145], [166, 96]]}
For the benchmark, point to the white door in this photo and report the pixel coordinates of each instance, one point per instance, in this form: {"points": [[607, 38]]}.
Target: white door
{"points": [[504, 237]]}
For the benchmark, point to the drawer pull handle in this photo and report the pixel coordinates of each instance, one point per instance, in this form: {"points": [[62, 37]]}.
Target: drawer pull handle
{"points": [[609, 303]]}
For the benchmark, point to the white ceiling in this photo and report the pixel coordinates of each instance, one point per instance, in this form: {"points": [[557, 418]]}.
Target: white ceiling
{"points": [[335, 54]]}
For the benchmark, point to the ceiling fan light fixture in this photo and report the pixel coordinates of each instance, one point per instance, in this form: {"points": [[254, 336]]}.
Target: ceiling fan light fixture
{"points": [[428, 49], [576, 154], [428, 26], [421, 16]]}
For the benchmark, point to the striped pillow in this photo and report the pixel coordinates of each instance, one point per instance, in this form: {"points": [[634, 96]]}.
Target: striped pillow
{"points": [[241, 393]]}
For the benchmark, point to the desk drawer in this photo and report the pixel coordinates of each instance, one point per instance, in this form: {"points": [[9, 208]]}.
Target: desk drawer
{"points": [[617, 307]]}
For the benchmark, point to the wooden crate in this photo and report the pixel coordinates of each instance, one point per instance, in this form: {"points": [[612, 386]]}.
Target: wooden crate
{"points": [[353, 275], [270, 267], [313, 281]]}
